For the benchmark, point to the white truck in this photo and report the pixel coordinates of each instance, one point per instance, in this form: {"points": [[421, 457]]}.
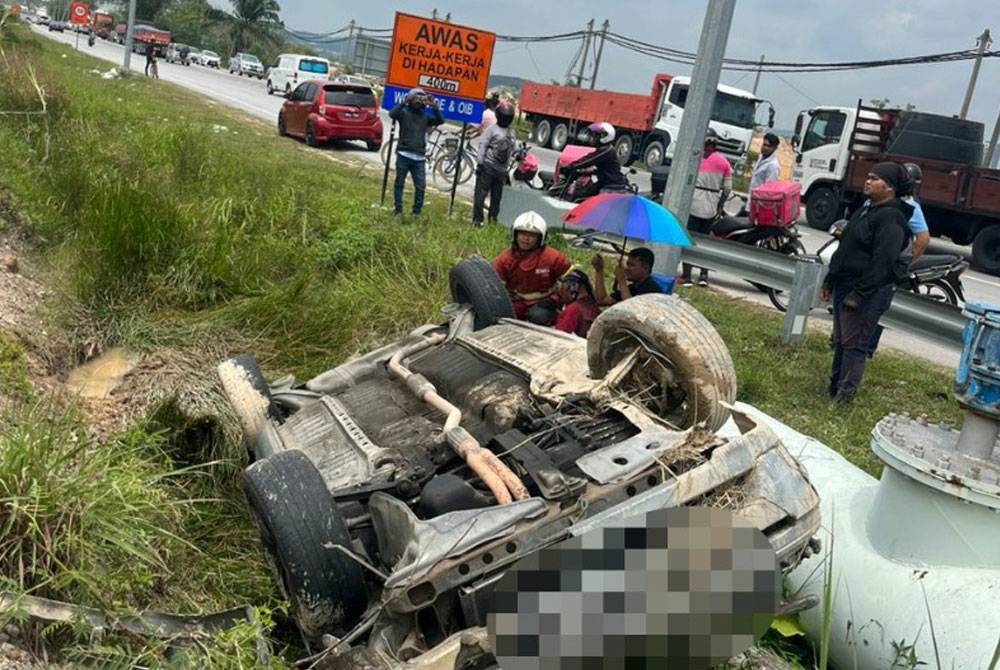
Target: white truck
{"points": [[837, 146]]}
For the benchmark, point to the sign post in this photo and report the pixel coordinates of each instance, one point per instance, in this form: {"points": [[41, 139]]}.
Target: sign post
{"points": [[450, 62], [79, 15]]}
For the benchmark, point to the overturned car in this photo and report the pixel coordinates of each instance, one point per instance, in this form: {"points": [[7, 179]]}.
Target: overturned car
{"points": [[393, 490]]}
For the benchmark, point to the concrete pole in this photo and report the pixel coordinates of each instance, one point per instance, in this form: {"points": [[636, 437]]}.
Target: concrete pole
{"points": [[984, 41], [583, 53], [128, 37], [991, 150], [697, 112], [756, 79], [600, 50]]}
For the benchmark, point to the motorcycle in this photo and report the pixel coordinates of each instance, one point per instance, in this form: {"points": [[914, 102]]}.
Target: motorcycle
{"points": [[935, 276], [781, 239]]}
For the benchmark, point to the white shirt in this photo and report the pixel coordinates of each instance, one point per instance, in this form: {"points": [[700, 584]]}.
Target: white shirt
{"points": [[765, 170]]}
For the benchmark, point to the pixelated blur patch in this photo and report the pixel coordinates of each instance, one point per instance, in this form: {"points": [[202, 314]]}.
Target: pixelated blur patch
{"points": [[694, 585]]}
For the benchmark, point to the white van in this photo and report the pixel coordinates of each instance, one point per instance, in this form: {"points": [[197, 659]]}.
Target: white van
{"points": [[289, 69]]}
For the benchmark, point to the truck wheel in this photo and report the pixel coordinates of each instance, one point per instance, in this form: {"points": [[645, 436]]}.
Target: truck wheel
{"points": [[624, 146], [473, 282], [986, 250], [822, 207], [653, 154], [542, 132], [560, 136], [300, 528], [683, 371]]}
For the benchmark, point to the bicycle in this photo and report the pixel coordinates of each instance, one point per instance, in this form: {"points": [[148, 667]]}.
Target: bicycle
{"points": [[434, 136], [446, 164]]}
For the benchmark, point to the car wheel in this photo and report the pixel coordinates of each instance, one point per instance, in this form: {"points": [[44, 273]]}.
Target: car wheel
{"points": [[311, 135], [986, 250], [373, 146], [543, 132], [560, 136], [270, 89], [249, 395], [682, 371], [653, 154], [300, 528], [282, 131], [474, 282], [822, 207]]}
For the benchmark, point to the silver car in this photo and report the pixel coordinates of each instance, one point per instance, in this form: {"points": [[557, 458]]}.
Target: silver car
{"points": [[394, 489]]}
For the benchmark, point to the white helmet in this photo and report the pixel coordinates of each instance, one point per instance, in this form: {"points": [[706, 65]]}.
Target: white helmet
{"points": [[602, 132], [530, 222]]}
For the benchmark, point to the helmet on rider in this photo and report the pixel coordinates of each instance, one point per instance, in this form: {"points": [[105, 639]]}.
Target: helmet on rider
{"points": [[914, 175], [505, 114], [529, 222], [601, 133]]}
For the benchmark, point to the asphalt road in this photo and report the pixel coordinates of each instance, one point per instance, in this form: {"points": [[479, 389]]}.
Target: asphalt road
{"points": [[250, 96]]}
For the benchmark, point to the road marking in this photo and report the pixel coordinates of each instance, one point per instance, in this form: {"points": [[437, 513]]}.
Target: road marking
{"points": [[981, 280]]}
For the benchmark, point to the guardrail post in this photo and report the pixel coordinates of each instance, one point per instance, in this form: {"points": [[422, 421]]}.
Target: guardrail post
{"points": [[805, 284]]}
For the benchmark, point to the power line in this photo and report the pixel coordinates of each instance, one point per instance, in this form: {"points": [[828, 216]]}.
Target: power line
{"points": [[798, 90]]}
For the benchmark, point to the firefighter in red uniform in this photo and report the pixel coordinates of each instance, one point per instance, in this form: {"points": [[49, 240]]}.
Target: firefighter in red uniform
{"points": [[531, 271]]}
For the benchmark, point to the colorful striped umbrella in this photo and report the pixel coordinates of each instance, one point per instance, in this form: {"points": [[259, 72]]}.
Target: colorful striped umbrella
{"points": [[629, 215]]}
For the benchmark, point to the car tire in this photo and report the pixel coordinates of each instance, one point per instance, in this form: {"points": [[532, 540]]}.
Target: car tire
{"points": [[822, 207], [270, 89], [986, 250], [695, 374], [282, 131], [560, 136], [288, 90], [300, 526], [542, 132], [250, 397], [310, 135], [373, 146], [653, 153], [474, 282]]}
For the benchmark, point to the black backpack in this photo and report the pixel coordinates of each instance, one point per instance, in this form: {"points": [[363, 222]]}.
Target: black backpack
{"points": [[501, 149]]}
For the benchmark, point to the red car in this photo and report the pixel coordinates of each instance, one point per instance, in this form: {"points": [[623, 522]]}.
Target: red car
{"points": [[321, 110]]}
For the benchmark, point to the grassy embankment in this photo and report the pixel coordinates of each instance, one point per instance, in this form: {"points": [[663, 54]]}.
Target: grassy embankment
{"points": [[161, 220]]}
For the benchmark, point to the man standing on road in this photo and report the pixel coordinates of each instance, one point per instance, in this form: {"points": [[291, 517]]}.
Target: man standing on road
{"points": [[151, 61], [411, 151], [863, 273], [633, 278], [715, 181], [766, 168], [496, 147]]}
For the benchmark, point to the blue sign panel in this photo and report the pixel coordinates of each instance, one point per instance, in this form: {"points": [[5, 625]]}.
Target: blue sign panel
{"points": [[452, 108]]}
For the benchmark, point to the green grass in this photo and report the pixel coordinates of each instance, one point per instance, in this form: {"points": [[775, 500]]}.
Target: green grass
{"points": [[164, 221]]}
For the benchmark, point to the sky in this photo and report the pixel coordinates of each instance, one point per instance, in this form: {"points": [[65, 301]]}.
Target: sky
{"points": [[804, 31]]}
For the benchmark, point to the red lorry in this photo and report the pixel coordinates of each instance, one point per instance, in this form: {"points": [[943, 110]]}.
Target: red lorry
{"points": [[145, 36], [645, 125], [102, 24], [837, 146]]}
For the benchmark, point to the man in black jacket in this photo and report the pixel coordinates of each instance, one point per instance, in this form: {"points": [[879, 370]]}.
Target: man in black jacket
{"points": [[862, 274], [412, 147]]}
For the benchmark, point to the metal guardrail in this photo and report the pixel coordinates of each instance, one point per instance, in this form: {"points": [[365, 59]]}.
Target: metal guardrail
{"points": [[800, 276]]}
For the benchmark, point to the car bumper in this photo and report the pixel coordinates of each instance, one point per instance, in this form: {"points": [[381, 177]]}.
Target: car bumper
{"points": [[327, 130]]}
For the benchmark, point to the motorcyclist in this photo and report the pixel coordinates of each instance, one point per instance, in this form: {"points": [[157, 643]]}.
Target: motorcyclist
{"points": [[607, 167], [917, 222], [531, 271], [90, 38]]}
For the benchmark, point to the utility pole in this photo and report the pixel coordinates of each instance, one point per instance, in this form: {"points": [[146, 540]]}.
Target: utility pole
{"points": [[756, 79], [128, 37], [990, 151], [697, 111], [984, 41], [600, 50], [583, 53]]}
